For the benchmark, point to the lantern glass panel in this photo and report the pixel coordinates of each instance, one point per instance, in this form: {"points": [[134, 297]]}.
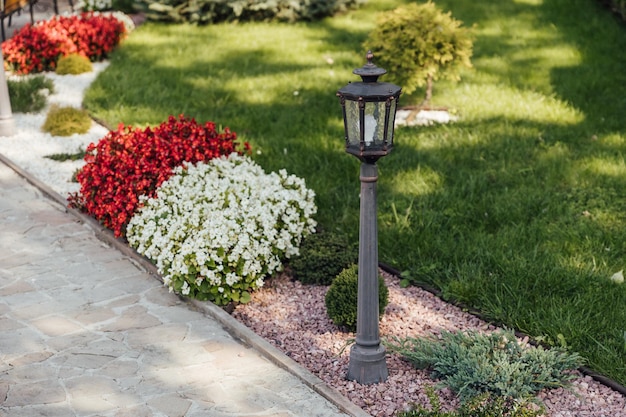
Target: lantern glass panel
{"points": [[392, 117], [374, 120], [374, 124], [352, 122]]}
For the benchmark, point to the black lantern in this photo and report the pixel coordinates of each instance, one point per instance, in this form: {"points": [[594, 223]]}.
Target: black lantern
{"points": [[369, 112]]}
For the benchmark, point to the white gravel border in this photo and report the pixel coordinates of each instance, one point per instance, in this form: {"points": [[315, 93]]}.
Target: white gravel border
{"points": [[29, 146]]}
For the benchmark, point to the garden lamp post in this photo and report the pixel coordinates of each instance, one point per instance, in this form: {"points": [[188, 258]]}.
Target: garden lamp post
{"points": [[7, 125], [369, 111]]}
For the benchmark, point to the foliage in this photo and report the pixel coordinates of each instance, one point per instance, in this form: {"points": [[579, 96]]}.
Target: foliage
{"points": [[129, 163], [483, 405], [418, 44], [124, 6], [73, 64], [616, 6], [93, 5], [211, 11], [29, 95], [38, 47], [67, 156], [342, 296], [66, 121], [473, 363], [323, 255], [215, 230]]}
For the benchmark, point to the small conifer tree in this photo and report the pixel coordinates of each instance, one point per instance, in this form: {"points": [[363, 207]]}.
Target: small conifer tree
{"points": [[418, 44]]}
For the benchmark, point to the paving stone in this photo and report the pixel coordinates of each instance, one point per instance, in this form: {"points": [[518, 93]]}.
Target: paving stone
{"points": [[136, 411], [170, 405], [135, 317], [120, 368], [71, 341], [30, 358], [35, 311], [90, 315], [9, 324], [4, 390], [56, 326], [25, 373], [47, 410], [15, 343], [16, 288], [40, 392], [166, 333]]}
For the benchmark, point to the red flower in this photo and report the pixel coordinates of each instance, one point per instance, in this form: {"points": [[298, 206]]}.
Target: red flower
{"points": [[37, 48], [129, 163]]}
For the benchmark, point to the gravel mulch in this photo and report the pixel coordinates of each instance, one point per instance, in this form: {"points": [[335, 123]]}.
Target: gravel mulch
{"points": [[292, 317]]}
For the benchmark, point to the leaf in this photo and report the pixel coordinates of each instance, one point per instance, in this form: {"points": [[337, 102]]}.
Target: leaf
{"points": [[245, 297]]}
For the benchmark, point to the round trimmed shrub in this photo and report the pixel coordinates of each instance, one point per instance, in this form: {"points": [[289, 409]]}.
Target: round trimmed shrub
{"points": [[341, 298], [323, 255], [65, 121], [73, 64], [418, 44]]}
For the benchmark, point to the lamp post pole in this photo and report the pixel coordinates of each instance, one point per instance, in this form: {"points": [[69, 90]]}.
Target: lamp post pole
{"points": [[369, 110], [7, 125], [367, 356]]}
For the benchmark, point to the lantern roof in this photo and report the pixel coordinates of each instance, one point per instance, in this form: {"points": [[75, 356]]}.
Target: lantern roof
{"points": [[369, 89]]}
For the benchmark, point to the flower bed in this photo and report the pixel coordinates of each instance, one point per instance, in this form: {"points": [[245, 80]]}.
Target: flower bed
{"points": [[37, 48], [210, 219], [129, 163]]}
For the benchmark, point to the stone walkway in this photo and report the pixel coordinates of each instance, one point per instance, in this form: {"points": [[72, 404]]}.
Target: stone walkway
{"points": [[85, 330]]}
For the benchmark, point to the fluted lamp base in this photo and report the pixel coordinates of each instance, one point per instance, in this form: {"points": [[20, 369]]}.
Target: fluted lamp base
{"points": [[367, 365]]}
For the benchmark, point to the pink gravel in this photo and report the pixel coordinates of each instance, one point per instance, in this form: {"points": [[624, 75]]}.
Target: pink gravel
{"points": [[292, 317]]}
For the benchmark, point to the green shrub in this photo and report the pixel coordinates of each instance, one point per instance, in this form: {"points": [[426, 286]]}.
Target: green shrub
{"points": [[212, 11], [473, 363], [341, 298], [29, 95], [73, 64], [483, 405], [418, 44], [124, 6], [323, 255], [65, 121]]}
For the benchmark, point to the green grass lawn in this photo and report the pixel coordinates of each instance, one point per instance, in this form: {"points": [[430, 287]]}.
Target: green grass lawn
{"points": [[517, 210]]}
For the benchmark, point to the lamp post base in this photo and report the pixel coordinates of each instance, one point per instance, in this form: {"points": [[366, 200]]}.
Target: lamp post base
{"points": [[7, 126], [367, 364]]}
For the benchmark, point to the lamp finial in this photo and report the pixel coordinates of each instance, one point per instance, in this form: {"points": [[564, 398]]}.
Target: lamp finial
{"points": [[369, 73]]}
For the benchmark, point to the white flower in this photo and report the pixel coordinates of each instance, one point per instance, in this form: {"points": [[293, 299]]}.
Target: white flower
{"points": [[222, 224]]}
